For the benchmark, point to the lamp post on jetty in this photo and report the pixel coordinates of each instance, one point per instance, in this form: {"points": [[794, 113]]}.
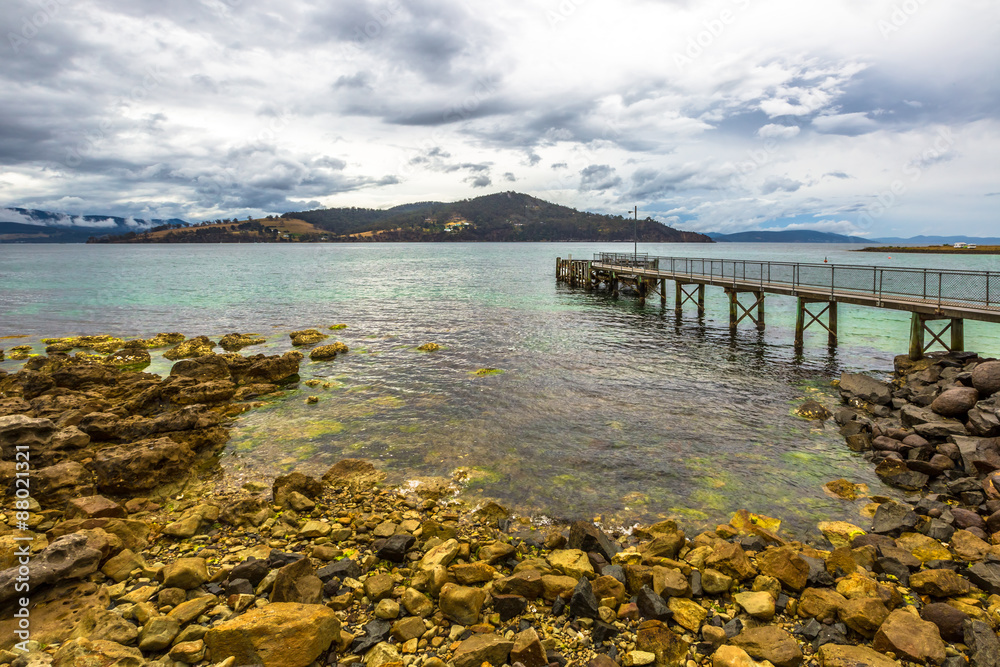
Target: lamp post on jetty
{"points": [[635, 237]]}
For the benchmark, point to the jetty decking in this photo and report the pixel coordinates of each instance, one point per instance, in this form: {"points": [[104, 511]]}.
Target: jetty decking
{"points": [[931, 295]]}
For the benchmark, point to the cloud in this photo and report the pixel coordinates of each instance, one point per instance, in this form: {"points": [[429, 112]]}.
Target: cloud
{"points": [[599, 177], [509, 177], [845, 227], [779, 184], [850, 124], [774, 131], [206, 108]]}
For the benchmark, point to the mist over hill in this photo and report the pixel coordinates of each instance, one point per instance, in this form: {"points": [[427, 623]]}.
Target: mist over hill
{"points": [[23, 225]]}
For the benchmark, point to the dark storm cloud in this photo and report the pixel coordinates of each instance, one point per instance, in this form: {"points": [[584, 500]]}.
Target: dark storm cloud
{"points": [[599, 177], [779, 184], [220, 106]]}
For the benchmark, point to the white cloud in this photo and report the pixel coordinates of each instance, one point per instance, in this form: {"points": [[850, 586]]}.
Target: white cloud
{"points": [[774, 131]]}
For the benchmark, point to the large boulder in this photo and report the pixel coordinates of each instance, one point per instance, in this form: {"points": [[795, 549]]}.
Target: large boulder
{"points": [[835, 655], [771, 643], [202, 369], [56, 485], [865, 388], [69, 557], [281, 634], [668, 648], [274, 369], [83, 652], [910, 638], [986, 377], [297, 582], [955, 402], [462, 604], [24, 432], [786, 566], [141, 466]]}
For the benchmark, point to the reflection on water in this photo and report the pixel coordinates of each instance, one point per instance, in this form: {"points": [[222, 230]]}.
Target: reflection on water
{"points": [[603, 408]]}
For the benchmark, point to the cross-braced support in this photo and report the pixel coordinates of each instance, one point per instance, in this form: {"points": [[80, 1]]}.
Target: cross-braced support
{"points": [[739, 312], [804, 318], [692, 292], [919, 327]]}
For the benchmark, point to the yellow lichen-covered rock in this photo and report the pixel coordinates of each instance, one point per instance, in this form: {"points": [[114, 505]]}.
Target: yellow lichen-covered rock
{"points": [[840, 533], [162, 340], [195, 347], [429, 347], [307, 337], [19, 352], [281, 634], [104, 343], [128, 359], [237, 341], [326, 352]]}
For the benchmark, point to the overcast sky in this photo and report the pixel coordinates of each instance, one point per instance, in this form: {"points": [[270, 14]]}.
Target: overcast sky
{"points": [[873, 117]]}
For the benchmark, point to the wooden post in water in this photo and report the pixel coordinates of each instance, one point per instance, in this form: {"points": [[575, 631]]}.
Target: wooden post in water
{"points": [[614, 284], [759, 296], [663, 292], [590, 277], [916, 337], [678, 304], [800, 321], [558, 268], [701, 301], [831, 338], [733, 315], [958, 335]]}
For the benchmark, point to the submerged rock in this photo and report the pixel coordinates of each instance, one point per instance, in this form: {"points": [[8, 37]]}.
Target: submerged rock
{"points": [[326, 352], [236, 341], [195, 347], [307, 337]]}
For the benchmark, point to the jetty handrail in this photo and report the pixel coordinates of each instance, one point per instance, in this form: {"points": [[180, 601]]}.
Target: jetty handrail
{"points": [[940, 286]]}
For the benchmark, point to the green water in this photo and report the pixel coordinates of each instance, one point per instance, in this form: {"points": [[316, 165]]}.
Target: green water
{"points": [[603, 408]]}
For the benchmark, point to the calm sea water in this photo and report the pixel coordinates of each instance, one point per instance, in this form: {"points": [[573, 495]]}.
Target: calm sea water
{"points": [[603, 409]]}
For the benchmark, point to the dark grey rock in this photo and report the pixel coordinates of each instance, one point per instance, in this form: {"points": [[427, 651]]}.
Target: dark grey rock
{"points": [[986, 576], [343, 569], [588, 537], [375, 632], [652, 605], [893, 518], [252, 570], [865, 388], [394, 548], [583, 602], [983, 644]]}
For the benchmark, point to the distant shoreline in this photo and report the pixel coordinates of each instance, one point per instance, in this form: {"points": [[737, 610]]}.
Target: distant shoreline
{"points": [[933, 250]]}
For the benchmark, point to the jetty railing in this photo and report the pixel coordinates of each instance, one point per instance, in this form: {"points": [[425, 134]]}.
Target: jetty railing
{"points": [[944, 287]]}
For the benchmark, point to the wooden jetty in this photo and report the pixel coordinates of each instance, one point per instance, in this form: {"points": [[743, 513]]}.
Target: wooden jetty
{"points": [[940, 300]]}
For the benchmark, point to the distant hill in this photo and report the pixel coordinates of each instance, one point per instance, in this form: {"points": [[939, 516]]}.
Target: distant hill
{"points": [[22, 225], [938, 240], [504, 216], [786, 236]]}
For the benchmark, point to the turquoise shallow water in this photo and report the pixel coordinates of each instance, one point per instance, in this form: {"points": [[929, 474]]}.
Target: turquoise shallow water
{"points": [[603, 409]]}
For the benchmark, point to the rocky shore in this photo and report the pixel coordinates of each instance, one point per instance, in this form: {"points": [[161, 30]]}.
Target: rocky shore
{"points": [[131, 564]]}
